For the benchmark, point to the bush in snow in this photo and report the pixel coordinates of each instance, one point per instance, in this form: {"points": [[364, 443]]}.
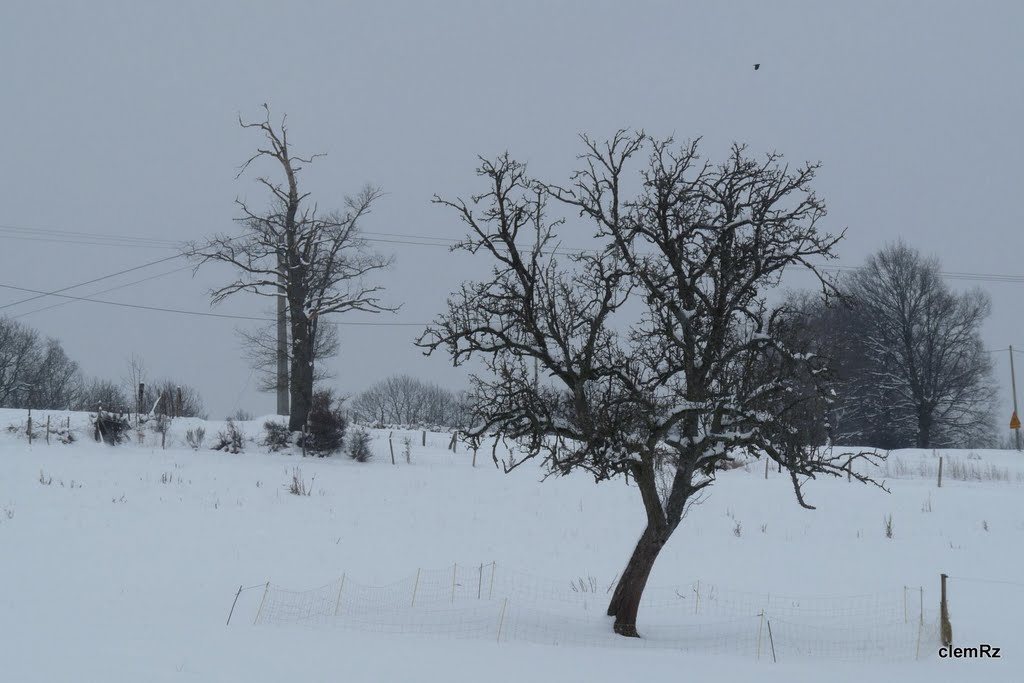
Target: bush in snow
{"points": [[326, 425], [230, 439], [195, 437], [359, 446], [276, 436]]}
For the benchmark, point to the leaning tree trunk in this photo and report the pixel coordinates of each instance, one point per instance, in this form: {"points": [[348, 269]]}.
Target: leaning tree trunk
{"points": [[625, 601]]}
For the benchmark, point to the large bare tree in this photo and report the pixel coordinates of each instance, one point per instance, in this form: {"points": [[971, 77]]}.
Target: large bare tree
{"points": [[927, 365], [315, 260], [658, 358]]}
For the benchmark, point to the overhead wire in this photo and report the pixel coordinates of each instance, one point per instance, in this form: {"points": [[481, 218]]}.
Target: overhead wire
{"points": [[104, 291], [205, 314]]}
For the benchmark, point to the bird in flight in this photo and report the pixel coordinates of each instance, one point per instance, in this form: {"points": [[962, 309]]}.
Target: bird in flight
{"points": [[756, 67]]}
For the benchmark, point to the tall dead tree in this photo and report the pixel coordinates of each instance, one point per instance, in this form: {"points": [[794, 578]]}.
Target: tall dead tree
{"points": [[316, 261], [658, 358]]}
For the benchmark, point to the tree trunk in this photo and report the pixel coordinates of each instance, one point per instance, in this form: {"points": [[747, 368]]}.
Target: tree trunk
{"points": [[924, 429], [625, 601], [301, 389]]}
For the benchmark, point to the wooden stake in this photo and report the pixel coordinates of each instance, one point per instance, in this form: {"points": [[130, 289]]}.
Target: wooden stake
{"points": [[233, 605], [424, 437], [940, 471], [945, 628], [47, 430], [501, 618], [138, 405], [337, 606], [766, 468], [760, 626], [414, 587], [392, 447], [771, 641], [266, 589], [494, 567]]}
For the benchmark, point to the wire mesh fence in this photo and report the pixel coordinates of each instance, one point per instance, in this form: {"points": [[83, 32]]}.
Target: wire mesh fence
{"points": [[484, 601]]}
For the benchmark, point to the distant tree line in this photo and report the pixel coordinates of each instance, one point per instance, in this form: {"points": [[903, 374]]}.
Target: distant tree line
{"points": [[405, 400], [36, 372]]}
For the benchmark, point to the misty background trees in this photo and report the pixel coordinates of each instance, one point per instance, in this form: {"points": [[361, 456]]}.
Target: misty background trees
{"points": [[406, 400], [911, 367]]}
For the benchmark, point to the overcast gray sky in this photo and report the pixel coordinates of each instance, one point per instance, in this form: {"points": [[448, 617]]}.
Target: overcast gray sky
{"points": [[120, 118]]}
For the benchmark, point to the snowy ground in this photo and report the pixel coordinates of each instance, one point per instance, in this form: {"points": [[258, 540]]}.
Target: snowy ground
{"points": [[120, 564]]}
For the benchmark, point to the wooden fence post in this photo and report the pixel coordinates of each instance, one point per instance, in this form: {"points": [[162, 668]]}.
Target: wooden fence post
{"points": [[945, 628], [424, 437], [940, 471], [233, 605], [391, 445]]}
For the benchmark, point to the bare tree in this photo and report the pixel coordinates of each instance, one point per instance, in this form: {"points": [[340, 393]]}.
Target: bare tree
{"points": [[650, 349], [56, 381], [927, 366], [260, 350], [19, 359], [99, 392], [34, 370], [406, 400], [315, 260], [161, 398]]}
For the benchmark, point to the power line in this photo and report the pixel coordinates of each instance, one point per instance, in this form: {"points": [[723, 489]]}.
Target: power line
{"points": [[86, 235], [205, 314], [57, 292], [104, 291], [404, 239]]}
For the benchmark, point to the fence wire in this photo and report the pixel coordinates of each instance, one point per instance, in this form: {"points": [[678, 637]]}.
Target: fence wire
{"points": [[484, 601]]}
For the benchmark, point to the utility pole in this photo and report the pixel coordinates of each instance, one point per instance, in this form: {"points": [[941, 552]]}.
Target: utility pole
{"points": [[282, 340], [1015, 420]]}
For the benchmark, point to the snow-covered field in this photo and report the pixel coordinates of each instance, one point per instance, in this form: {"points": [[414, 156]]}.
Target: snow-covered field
{"points": [[121, 564]]}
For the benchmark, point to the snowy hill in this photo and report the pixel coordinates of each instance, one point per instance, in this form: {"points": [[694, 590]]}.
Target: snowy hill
{"points": [[121, 564]]}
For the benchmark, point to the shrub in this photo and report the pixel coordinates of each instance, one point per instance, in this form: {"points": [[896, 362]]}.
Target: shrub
{"points": [[230, 439], [195, 437], [109, 428], [276, 436], [359, 446], [298, 487], [326, 424]]}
